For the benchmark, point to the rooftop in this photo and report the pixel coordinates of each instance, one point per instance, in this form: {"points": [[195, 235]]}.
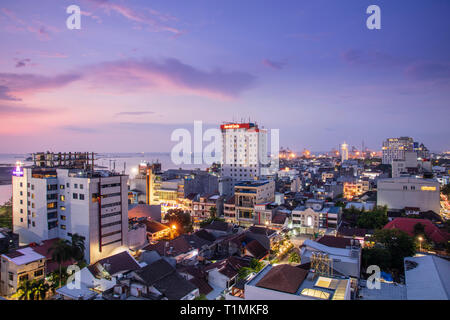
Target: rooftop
{"points": [[23, 256]]}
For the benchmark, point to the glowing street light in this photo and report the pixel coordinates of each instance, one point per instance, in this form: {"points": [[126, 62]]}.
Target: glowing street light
{"points": [[420, 243]]}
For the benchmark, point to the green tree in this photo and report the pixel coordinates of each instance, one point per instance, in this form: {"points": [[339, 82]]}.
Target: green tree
{"points": [[419, 229], [181, 219], [201, 297], [446, 190], [40, 287], [6, 215], [254, 267], [294, 257], [61, 251], [26, 290], [376, 256], [398, 243], [212, 212], [375, 219], [78, 248]]}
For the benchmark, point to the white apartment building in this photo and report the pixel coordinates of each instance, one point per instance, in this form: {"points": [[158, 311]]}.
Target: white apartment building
{"points": [[56, 203], [398, 193], [244, 151]]}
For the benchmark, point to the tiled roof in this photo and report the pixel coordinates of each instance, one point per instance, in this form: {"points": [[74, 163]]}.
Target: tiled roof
{"points": [[202, 285], [284, 278], [336, 242], [217, 225], [407, 225], [229, 267], [350, 232], [155, 271], [154, 226], [261, 230], [118, 263], [256, 249]]}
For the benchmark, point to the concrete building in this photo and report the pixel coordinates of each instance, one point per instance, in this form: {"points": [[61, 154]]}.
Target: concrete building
{"points": [[52, 202], [20, 265], [251, 193], [398, 193], [244, 151]]}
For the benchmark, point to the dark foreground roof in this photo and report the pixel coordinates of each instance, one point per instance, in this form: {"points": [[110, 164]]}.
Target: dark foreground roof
{"points": [[284, 278]]}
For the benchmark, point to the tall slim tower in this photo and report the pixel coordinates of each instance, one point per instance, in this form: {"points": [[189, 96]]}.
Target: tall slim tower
{"points": [[344, 152]]}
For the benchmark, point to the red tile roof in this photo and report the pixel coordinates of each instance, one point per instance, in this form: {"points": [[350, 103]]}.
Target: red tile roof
{"points": [[407, 225]]}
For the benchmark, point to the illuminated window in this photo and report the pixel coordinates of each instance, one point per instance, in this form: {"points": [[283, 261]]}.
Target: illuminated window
{"points": [[63, 208], [63, 227], [62, 198]]}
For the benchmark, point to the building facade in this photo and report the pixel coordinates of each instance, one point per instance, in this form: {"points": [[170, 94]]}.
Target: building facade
{"points": [[56, 203], [398, 193], [244, 151]]}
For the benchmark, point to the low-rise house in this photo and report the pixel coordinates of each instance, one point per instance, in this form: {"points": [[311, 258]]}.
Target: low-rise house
{"points": [[287, 282], [407, 225], [223, 274], [157, 230], [159, 281], [20, 265], [359, 234], [100, 277], [346, 261]]}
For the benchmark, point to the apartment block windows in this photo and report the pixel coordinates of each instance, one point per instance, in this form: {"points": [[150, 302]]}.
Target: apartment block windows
{"points": [[75, 195]]}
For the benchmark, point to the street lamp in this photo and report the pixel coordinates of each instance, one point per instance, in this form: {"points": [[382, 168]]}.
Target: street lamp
{"points": [[420, 243]]}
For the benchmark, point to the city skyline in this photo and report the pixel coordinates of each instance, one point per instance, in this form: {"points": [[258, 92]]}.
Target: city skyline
{"points": [[137, 71]]}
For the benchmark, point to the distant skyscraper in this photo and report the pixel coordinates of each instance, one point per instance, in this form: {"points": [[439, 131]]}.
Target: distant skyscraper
{"points": [[395, 148], [344, 152], [244, 147]]}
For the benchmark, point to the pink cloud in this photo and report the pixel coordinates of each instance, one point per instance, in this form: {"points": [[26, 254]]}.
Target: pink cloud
{"points": [[13, 85], [169, 75]]}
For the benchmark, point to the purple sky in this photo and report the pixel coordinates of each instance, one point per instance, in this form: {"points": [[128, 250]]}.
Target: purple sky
{"points": [[138, 69]]}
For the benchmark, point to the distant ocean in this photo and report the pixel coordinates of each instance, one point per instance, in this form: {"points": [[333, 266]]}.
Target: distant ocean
{"points": [[107, 161]]}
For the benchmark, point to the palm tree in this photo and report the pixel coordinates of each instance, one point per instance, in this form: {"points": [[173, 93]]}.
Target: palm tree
{"points": [[26, 290], [255, 267], [40, 288], [61, 252], [78, 247], [212, 212]]}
